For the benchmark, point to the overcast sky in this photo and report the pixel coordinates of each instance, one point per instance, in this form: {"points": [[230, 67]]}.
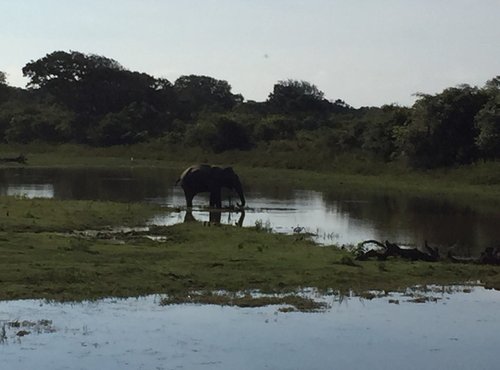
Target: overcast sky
{"points": [[366, 52]]}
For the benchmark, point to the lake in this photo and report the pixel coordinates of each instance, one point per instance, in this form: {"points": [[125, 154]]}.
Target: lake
{"points": [[340, 216], [453, 330]]}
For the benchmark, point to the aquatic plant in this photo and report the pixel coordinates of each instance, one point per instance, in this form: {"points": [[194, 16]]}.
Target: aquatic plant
{"points": [[263, 226], [291, 302], [3, 334]]}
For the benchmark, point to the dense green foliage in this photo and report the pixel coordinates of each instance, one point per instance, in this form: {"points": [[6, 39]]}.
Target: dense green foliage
{"points": [[89, 99]]}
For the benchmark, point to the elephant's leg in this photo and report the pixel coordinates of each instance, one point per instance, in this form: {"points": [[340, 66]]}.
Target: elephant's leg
{"points": [[215, 217], [215, 198], [189, 198], [213, 203]]}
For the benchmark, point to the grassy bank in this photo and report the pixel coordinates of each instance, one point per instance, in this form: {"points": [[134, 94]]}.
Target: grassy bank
{"points": [[45, 254], [45, 215]]}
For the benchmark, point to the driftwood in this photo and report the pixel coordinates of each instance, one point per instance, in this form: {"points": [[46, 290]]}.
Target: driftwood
{"points": [[490, 256], [389, 249], [19, 159]]}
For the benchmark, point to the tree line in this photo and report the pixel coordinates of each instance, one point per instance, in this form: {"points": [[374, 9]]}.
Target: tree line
{"points": [[90, 99]]}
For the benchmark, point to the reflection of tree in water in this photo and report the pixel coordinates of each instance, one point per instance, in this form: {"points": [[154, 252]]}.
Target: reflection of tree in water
{"points": [[118, 185], [438, 221], [122, 184]]}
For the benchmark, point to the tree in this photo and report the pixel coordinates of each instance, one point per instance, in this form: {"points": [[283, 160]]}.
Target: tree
{"points": [[297, 96], [91, 84], [60, 67], [198, 93], [22, 122], [94, 86], [276, 127], [379, 130], [493, 86], [441, 129], [488, 122], [136, 122], [219, 133], [4, 89]]}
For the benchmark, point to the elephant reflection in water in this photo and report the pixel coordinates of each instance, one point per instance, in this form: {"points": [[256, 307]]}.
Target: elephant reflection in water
{"points": [[214, 217]]}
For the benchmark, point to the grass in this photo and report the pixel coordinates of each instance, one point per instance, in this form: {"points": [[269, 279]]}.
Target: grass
{"points": [[291, 301], [48, 260], [46, 215]]}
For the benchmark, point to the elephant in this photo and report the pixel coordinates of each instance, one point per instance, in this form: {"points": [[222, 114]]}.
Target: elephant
{"points": [[206, 178]]}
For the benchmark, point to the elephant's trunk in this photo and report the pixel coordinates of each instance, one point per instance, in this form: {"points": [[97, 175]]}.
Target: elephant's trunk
{"points": [[239, 190]]}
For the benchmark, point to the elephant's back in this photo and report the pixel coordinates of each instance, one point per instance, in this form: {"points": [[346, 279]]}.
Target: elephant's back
{"points": [[195, 170]]}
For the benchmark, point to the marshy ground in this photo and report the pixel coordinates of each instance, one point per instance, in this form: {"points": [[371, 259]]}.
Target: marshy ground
{"points": [[48, 252]]}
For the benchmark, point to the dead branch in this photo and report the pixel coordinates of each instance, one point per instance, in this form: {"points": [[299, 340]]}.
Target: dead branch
{"points": [[490, 256], [19, 159], [389, 249]]}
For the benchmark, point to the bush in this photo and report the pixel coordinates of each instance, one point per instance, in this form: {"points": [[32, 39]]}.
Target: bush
{"points": [[276, 127], [219, 134]]}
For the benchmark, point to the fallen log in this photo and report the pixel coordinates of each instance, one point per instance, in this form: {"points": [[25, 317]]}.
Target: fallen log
{"points": [[19, 159], [454, 259], [389, 249], [490, 256]]}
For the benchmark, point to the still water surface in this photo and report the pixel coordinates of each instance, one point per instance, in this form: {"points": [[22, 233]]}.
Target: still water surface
{"points": [[340, 216], [454, 331]]}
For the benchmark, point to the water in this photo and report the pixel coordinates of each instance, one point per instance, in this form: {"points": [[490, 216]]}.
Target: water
{"points": [[456, 331], [340, 216]]}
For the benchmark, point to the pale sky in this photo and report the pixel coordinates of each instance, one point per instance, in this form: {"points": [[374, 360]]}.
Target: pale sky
{"points": [[366, 52]]}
